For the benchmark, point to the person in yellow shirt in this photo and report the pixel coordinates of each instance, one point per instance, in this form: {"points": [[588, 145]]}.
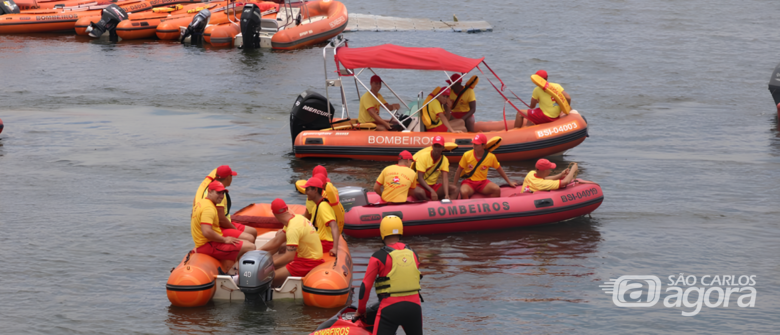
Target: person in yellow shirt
{"points": [[303, 251], [431, 164], [548, 110], [323, 216], [370, 106], [204, 227], [436, 114], [397, 182], [475, 163], [224, 174], [464, 101], [542, 179]]}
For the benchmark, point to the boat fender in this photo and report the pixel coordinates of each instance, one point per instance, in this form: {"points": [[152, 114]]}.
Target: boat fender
{"points": [[251, 17], [111, 17], [8, 7], [196, 27]]}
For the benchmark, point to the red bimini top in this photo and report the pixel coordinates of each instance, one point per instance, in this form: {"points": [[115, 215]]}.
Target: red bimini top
{"points": [[390, 56]]}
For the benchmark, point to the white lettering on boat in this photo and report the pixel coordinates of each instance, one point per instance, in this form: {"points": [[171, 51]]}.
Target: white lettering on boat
{"points": [[556, 130], [338, 21], [315, 134], [400, 140]]}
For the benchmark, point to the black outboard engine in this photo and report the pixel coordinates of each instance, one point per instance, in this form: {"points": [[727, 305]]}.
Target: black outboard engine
{"points": [[8, 7], [774, 84], [255, 275], [250, 26], [196, 27], [112, 15], [310, 112]]}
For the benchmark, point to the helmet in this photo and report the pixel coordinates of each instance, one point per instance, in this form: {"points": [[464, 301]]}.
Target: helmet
{"points": [[391, 225]]}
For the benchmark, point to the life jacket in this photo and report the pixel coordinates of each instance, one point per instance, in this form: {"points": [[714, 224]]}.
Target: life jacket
{"points": [[427, 118], [404, 278]]}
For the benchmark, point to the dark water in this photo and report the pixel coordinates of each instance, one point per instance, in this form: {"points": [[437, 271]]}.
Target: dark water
{"points": [[104, 145]]}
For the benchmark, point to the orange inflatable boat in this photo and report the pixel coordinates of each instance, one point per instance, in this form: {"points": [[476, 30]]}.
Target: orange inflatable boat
{"points": [[170, 28], [144, 24], [59, 4], [223, 34], [52, 20]]}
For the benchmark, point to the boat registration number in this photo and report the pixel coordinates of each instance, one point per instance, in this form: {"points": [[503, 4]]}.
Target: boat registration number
{"points": [[579, 195], [556, 130]]}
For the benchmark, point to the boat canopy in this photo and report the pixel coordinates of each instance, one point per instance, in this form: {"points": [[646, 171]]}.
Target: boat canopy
{"points": [[391, 56]]}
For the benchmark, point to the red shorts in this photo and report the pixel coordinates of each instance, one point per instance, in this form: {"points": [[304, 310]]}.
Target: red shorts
{"points": [[435, 188], [221, 251], [440, 129], [326, 246], [538, 117], [299, 267], [477, 186], [234, 232], [459, 115]]}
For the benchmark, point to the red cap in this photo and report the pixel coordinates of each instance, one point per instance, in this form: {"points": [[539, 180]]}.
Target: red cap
{"points": [[479, 139], [438, 140], [224, 171], [544, 164], [445, 92], [216, 186], [278, 206], [455, 78], [319, 169], [405, 155], [313, 182], [376, 78], [322, 178], [542, 73]]}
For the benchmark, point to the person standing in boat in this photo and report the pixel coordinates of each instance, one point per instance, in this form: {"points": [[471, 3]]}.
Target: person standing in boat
{"points": [[303, 251], [370, 106], [435, 115], [397, 182], [475, 164], [430, 164], [542, 179], [224, 174], [206, 233], [464, 101], [394, 271], [323, 216], [548, 110]]}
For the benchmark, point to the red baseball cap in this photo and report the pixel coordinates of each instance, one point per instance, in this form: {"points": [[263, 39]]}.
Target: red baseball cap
{"points": [[445, 92], [376, 78], [455, 78], [319, 169], [217, 186], [544, 164], [278, 206], [322, 178], [405, 155], [542, 73], [224, 171], [438, 140], [314, 182], [479, 139]]}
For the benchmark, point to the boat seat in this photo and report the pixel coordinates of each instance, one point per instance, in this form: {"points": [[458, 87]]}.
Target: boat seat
{"points": [[269, 25]]}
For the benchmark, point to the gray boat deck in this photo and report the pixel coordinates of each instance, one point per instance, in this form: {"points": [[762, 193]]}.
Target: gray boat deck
{"points": [[365, 22]]}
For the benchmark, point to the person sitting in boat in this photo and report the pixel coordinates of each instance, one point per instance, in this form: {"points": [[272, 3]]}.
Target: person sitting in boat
{"points": [[323, 216], [464, 101], [396, 279], [548, 110], [397, 182], [330, 193], [303, 251], [474, 165], [542, 179], [430, 164], [436, 115], [224, 174], [206, 233], [370, 106]]}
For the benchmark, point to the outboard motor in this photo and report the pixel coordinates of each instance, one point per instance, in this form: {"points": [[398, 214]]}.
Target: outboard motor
{"points": [[774, 84], [351, 196], [251, 17], [310, 112], [112, 15], [255, 274], [8, 7], [196, 27]]}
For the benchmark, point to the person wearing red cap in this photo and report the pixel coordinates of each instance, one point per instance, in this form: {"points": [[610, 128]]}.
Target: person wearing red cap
{"points": [[303, 250], [322, 214], [474, 165], [397, 182], [435, 115], [370, 106], [205, 230], [431, 164], [464, 101], [224, 174], [548, 110], [542, 179]]}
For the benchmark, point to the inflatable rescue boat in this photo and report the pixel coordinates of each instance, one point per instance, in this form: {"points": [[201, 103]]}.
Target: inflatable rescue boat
{"points": [[144, 24], [343, 323], [61, 19]]}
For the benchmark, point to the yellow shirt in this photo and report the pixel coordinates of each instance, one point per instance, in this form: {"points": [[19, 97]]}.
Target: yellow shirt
{"points": [[203, 192], [325, 215], [367, 102], [204, 212], [547, 102], [468, 162], [424, 163], [432, 111], [463, 104], [301, 233], [397, 180], [533, 183]]}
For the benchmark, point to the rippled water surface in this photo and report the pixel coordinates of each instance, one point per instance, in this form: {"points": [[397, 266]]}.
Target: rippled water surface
{"points": [[104, 144]]}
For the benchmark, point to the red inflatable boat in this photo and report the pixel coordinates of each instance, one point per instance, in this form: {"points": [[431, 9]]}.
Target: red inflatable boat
{"points": [[342, 323]]}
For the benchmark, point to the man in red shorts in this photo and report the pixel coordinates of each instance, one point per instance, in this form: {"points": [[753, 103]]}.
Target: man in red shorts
{"points": [[303, 251], [548, 110], [430, 164], [224, 174], [475, 164], [206, 232]]}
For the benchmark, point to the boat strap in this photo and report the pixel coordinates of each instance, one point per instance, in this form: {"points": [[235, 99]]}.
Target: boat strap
{"points": [[468, 175]]}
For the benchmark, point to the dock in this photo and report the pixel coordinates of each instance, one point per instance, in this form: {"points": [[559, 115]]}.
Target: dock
{"points": [[366, 22]]}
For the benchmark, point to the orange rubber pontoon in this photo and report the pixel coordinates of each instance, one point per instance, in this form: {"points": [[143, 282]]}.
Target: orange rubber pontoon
{"points": [[321, 21], [51, 4], [193, 282], [52, 20], [137, 24], [169, 29]]}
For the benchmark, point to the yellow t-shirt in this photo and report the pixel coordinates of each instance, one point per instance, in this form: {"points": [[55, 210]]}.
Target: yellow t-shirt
{"points": [[325, 215], [463, 104], [432, 111], [204, 212], [533, 183], [397, 180], [203, 192], [547, 102], [468, 162], [301, 233], [424, 163], [367, 102]]}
